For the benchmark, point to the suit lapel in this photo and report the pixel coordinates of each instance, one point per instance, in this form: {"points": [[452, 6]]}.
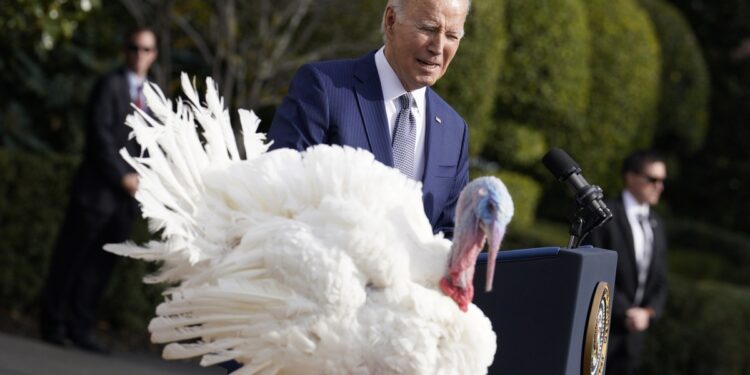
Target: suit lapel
{"points": [[624, 226], [370, 100], [434, 133], [123, 93], [657, 245], [123, 90]]}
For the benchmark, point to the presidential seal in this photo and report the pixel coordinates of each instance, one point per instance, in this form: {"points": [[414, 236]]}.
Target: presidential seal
{"points": [[597, 331]]}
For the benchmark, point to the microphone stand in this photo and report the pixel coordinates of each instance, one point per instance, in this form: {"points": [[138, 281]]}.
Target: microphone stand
{"points": [[589, 213], [576, 232]]}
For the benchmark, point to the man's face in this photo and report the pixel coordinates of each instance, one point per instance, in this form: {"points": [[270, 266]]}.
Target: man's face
{"points": [[141, 52], [647, 186], [422, 42]]}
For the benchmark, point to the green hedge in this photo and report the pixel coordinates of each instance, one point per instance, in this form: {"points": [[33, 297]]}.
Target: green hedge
{"points": [[683, 108], [544, 90], [545, 83], [724, 198], [33, 197], [700, 240], [469, 85], [625, 72], [704, 331], [543, 233], [525, 192], [517, 144]]}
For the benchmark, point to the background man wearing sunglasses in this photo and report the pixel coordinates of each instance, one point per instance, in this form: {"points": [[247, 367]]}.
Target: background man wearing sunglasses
{"points": [[637, 234], [102, 208]]}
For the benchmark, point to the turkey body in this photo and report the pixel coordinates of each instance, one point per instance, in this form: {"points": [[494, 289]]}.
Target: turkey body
{"points": [[319, 262]]}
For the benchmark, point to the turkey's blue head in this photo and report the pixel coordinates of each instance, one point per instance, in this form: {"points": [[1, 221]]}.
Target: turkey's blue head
{"points": [[483, 211]]}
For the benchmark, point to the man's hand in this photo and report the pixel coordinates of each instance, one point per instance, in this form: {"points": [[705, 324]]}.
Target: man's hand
{"points": [[637, 319], [130, 183]]}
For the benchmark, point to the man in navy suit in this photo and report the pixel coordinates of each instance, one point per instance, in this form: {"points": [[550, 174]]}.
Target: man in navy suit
{"points": [[102, 208], [637, 234], [358, 103]]}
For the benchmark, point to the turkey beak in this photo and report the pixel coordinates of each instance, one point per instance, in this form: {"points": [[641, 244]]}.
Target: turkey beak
{"points": [[494, 232]]}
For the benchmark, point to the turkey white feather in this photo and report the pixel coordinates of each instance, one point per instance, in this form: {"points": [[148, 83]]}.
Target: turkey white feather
{"points": [[319, 262]]}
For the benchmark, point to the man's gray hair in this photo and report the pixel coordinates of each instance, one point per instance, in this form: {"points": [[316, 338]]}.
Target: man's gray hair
{"points": [[398, 8]]}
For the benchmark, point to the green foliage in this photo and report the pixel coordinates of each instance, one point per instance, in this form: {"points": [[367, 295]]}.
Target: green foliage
{"points": [[625, 66], [45, 89], [542, 234], [545, 82], [729, 252], [724, 160], [519, 145], [525, 192], [362, 31], [544, 85], [683, 108], [704, 331], [251, 51], [42, 24], [701, 265], [128, 303], [33, 197], [469, 85]]}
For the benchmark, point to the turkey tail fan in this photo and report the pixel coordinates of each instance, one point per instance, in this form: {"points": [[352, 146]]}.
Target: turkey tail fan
{"points": [[172, 175]]}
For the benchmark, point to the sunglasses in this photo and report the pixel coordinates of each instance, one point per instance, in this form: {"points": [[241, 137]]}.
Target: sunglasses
{"points": [[653, 180], [135, 48]]}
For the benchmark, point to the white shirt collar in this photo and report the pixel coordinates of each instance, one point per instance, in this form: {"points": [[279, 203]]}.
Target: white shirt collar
{"points": [[632, 207], [391, 85], [133, 79]]}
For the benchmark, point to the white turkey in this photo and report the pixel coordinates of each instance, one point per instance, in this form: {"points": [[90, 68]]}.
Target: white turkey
{"points": [[319, 262]]}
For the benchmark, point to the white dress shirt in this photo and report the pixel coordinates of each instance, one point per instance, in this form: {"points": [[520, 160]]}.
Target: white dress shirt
{"points": [[633, 209], [134, 82], [392, 90]]}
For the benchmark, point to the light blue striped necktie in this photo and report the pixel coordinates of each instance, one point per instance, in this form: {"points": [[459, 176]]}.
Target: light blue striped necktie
{"points": [[405, 137]]}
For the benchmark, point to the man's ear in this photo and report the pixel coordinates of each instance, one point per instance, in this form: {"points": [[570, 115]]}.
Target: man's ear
{"points": [[389, 19]]}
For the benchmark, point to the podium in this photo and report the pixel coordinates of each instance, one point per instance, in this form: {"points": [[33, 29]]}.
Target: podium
{"points": [[550, 308]]}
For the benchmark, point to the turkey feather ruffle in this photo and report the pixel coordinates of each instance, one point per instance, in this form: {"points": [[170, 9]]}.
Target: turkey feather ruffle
{"points": [[320, 262]]}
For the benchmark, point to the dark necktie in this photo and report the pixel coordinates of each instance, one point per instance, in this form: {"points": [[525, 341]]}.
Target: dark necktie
{"points": [[139, 96], [405, 137]]}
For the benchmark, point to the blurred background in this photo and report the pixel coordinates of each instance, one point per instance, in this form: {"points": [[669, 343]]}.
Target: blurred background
{"points": [[598, 78]]}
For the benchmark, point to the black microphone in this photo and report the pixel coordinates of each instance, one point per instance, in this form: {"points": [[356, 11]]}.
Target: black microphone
{"points": [[588, 197], [565, 169]]}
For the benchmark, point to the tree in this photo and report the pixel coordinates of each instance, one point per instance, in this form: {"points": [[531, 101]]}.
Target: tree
{"points": [[36, 35], [252, 48]]}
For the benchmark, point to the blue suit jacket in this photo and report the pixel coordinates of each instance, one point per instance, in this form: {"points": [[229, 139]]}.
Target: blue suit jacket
{"points": [[341, 102]]}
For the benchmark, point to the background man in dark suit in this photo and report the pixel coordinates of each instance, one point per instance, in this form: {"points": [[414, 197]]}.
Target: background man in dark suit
{"points": [[637, 234], [102, 208], [382, 102]]}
